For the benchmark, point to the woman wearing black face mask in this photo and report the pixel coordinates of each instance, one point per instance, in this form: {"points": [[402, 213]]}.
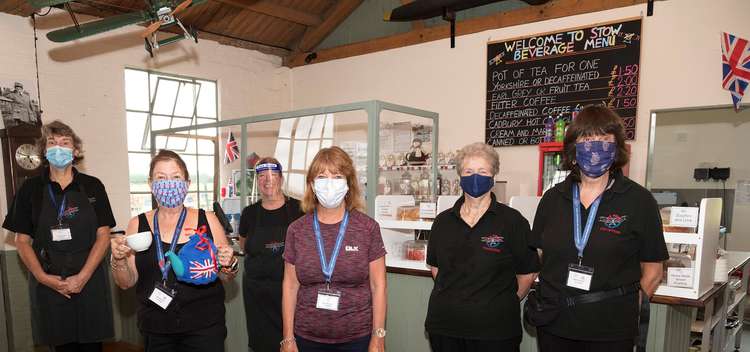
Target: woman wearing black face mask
{"points": [[601, 238], [481, 263]]}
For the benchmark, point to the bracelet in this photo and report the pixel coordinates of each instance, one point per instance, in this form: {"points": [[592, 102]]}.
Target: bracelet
{"points": [[287, 340], [232, 268]]}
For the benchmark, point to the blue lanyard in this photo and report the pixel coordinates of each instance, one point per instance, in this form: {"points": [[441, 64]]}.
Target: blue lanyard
{"points": [[328, 268], [164, 265], [61, 209], [581, 238]]}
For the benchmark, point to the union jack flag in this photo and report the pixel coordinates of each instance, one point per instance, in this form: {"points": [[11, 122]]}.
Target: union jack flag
{"points": [[735, 58], [203, 269], [232, 150]]}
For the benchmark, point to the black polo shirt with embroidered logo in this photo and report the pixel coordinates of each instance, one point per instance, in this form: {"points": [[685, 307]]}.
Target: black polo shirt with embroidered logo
{"points": [[626, 232], [474, 296], [26, 208]]}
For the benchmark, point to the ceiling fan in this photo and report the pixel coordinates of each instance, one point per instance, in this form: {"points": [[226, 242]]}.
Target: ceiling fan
{"points": [[424, 9], [160, 14]]}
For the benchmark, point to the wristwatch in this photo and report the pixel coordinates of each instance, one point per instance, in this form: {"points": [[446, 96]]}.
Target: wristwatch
{"points": [[379, 332]]}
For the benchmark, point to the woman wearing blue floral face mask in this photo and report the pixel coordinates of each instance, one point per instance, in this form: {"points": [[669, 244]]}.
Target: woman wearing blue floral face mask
{"points": [[481, 264], [62, 219], [181, 302], [601, 240]]}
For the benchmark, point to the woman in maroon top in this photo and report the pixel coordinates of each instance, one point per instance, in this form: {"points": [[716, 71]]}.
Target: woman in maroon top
{"points": [[334, 296]]}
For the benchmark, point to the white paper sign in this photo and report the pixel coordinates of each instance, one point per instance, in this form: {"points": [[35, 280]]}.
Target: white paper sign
{"points": [[680, 277], [427, 210], [684, 216]]}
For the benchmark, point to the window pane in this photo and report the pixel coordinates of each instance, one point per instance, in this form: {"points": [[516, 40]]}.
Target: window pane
{"points": [[312, 150], [192, 165], [136, 122], [138, 170], [317, 126], [136, 90], [296, 185], [207, 99], [206, 174], [282, 153], [285, 128], [139, 203], [328, 132], [303, 127], [191, 147], [298, 155], [327, 143], [166, 94], [187, 97], [206, 131], [206, 147], [205, 201], [191, 200]]}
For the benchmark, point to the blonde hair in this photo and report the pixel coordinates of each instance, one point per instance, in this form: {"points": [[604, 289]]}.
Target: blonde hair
{"points": [[480, 150], [335, 160]]}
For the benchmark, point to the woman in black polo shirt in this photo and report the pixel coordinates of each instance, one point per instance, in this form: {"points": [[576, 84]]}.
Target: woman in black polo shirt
{"points": [[62, 219], [481, 263], [601, 238]]}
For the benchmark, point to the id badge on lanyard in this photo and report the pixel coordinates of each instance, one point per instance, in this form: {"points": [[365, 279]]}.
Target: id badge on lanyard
{"points": [[579, 275], [59, 232], [328, 299], [163, 295]]}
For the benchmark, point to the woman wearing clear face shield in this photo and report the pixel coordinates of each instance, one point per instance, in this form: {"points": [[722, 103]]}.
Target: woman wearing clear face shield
{"points": [[262, 234]]}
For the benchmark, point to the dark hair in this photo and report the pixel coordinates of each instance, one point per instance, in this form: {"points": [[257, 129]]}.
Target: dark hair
{"points": [[594, 120], [57, 128], [167, 155]]}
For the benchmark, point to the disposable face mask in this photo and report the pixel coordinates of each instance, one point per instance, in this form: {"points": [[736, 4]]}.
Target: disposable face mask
{"points": [[169, 193], [59, 157], [594, 158], [330, 191], [476, 185]]}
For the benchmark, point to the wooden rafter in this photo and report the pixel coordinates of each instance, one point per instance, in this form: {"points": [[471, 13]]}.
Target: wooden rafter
{"points": [[530, 14], [270, 8], [314, 35]]}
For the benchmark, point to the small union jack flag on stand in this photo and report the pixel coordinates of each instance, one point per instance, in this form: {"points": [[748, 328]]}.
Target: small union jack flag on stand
{"points": [[232, 150], [735, 58]]}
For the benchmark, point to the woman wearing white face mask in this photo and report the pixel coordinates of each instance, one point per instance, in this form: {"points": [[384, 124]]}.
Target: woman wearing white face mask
{"points": [[334, 290], [180, 302], [62, 221]]}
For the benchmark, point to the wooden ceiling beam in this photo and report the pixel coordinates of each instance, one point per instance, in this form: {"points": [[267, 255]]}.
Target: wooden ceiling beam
{"points": [[314, 35], [530, 14], [270, 8]]}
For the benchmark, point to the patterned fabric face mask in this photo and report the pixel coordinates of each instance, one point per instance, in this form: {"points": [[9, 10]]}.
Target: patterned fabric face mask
{"points": [[595, 157], [169, 193]]}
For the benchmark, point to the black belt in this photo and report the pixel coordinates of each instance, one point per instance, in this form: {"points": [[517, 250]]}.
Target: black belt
{"points": [[602, 295]]}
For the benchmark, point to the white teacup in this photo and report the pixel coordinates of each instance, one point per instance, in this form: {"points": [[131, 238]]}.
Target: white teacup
{"points": [[139, 242]]}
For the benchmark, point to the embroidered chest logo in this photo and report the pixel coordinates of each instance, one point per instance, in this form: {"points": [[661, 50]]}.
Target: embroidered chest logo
{"points": [[351, 248], [275, 247], [70, 212], [493, 243], [612, 222]]}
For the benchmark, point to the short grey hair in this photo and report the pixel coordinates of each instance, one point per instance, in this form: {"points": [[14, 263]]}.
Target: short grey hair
{"points": [[478, 150]]}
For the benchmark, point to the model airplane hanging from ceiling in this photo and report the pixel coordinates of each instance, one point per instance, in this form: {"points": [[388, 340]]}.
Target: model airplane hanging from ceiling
{"points": [[424, 9], [159, 13]]}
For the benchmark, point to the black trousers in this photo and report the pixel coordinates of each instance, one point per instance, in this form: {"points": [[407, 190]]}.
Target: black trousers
{"points": [[78, 347], [358, 345], [551, 343], [441, 343], [206, 340]]}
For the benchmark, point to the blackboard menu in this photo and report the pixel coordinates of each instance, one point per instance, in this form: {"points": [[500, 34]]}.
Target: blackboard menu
{"points": [[530, 79]]}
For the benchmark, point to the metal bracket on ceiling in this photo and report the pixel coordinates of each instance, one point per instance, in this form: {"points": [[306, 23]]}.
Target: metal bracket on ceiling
{"points": [[450, 16], [72, 16]]}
